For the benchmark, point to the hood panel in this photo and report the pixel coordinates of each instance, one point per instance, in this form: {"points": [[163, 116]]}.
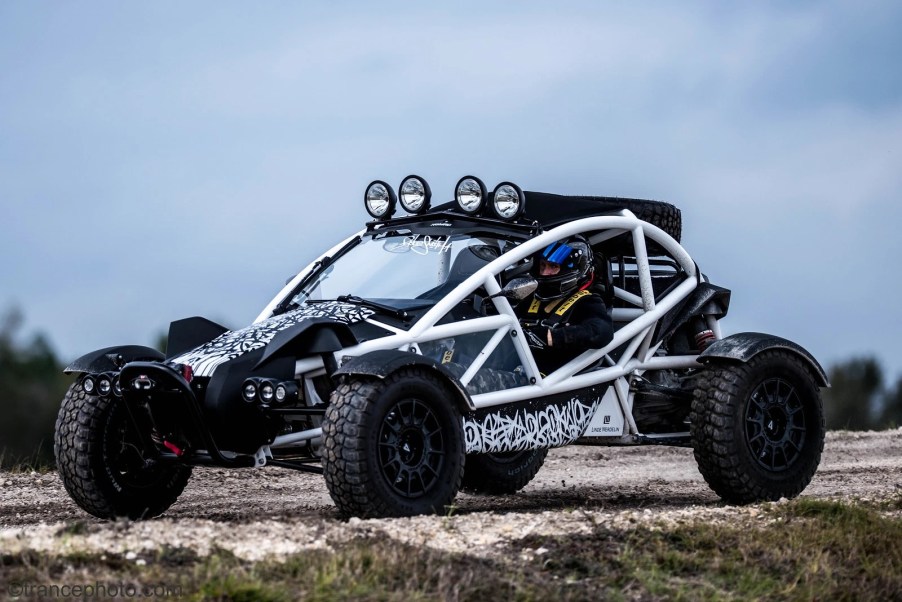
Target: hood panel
{"points": [[229, 345]]}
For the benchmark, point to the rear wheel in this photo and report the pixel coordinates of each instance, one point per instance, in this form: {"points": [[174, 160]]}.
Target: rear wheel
{"points": [[502, 473], [102, 464], [758, 428], [393, 447]]}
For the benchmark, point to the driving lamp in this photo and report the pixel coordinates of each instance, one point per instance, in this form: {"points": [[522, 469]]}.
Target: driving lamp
{"points": [[249, 390], [470, 194], [414, 194], [267, 392], [89, 384], [104, 385], [286, 392], [508, 201], [380, 200]]}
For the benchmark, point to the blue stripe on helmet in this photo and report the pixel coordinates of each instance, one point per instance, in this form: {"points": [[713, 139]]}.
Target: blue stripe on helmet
{"points": [[560, 254]]}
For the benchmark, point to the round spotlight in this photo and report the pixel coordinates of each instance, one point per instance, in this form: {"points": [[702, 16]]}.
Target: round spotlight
{"points": [[267, 392], [414, 194], [286, 392], [104, 385], [249, 391], [89, 384], [380, 200], [470, 194], [117, 388], [509, 201]]}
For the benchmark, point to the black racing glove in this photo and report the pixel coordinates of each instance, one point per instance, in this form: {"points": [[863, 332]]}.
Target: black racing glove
{"points": [[536, 336]]}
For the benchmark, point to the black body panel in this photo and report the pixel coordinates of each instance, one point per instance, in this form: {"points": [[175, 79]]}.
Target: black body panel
{"points": [[185, 335], [235, 424], [705, 299], [313, 336]]}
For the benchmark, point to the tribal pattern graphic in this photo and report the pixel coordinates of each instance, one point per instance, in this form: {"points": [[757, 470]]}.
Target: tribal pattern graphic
{"points": [[230, 345], [553, 425]]}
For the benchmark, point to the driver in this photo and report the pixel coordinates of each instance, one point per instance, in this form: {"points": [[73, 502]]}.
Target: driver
{"points": [[564, 318]]}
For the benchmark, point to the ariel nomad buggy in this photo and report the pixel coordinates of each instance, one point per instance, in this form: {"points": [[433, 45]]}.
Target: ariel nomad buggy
{"points": [[378, 366]]}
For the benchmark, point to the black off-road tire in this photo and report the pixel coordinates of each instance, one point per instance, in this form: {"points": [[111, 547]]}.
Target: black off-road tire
{"points": [[499, 474], [757, 428], [665, 216], [99, 461], [393, 447]]}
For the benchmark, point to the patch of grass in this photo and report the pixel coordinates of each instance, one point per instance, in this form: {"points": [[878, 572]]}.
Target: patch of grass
{"points": [[803, 550], [361, 570], [34, 462]]}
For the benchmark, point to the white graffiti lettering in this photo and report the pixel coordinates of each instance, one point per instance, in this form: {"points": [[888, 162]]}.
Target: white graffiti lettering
{"points": [[552, 426]]}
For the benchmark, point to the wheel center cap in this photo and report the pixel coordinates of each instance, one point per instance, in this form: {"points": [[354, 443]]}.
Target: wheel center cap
{"points": [[775, 425], [410, 448]]}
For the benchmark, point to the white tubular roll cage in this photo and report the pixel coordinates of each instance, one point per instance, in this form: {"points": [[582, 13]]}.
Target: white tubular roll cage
{"points": [[635, 333]]}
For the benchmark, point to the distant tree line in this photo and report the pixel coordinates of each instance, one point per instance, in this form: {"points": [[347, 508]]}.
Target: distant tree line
{"points": [[32, 385]]}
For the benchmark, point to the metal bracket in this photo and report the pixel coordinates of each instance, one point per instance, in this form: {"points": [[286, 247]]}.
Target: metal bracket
{"points": [[261, 455]]}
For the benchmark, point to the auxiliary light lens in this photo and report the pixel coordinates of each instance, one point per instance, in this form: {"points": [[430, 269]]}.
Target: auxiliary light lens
{"points": [[415, 194], [470, 194], [508, 201], [380, 200]]}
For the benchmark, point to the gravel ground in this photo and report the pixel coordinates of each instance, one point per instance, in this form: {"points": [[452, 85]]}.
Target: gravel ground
{"points": [[274, 512]]}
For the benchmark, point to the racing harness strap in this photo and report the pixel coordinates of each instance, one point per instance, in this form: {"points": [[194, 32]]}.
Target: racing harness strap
{"points": [[559, 308]]}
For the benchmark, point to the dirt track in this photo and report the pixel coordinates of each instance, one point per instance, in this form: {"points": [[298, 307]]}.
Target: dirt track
{"points": [[271, 512]]}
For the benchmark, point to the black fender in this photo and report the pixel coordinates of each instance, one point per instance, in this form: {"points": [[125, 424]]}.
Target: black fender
{"points": [[314, 336], [110, 359], [185, 335], [384, 362], [744, 346]]}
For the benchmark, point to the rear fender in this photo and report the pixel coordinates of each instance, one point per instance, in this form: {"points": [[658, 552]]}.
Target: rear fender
{"points": [[380, 364], [746, 345], [110, 359]]}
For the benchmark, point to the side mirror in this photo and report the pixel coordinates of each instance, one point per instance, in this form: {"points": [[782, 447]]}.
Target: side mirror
{"points": [[518, 289]]}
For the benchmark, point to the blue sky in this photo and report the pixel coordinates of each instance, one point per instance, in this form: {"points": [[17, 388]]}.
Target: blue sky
{"points": [[167, 159]]}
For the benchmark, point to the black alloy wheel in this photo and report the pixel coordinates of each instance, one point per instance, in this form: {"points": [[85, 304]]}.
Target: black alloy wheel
{"points": [[411, 448], [775, 424]]}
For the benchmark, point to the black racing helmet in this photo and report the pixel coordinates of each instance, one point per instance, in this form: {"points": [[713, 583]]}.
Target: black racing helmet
{"points": [[575, 258]]}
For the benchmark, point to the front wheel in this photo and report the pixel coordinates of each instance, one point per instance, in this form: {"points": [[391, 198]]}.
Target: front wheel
{"points": [[393, 447], [102, 464], [758, 428]]}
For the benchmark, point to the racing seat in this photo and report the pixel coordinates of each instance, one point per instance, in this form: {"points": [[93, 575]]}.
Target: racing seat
{"points": [[465, 264], [604, 281]]}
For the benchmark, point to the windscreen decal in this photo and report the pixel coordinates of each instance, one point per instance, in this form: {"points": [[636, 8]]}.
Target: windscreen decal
{"points": [[230, 345], [551, 426]]}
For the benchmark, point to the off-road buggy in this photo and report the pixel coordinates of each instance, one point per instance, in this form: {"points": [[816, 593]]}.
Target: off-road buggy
{"points": [[376, 366]]}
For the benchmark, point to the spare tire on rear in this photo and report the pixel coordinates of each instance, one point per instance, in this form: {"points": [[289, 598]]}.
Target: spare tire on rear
{"points": [[554, 209]]}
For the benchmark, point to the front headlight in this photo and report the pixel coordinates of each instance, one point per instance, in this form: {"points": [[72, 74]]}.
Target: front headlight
{"points": [[415, 194], [470, 194], [509, 201], [380, 200]]}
